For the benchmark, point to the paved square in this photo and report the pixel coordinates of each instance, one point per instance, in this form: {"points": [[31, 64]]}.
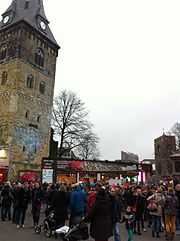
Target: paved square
{"points": [[9, 232]]}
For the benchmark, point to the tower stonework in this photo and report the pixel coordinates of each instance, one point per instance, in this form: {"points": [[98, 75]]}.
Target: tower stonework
{"points": [[28, 53], [164, 146]]}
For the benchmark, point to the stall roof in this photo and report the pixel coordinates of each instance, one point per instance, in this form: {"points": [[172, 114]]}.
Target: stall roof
{"points": [[102, 166], [93, 166]]}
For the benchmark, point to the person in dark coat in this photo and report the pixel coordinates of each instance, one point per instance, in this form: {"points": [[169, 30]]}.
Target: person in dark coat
{"points": [[170, 209], [101, 220], [37, 197], [117, 209], [128, 197], [6, 202], [22, 200], [60, 204], [139, 209]]}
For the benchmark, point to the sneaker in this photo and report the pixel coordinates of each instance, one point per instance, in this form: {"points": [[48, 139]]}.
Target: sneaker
{"points": [[18, 226], [144, 230], [22, 226]]}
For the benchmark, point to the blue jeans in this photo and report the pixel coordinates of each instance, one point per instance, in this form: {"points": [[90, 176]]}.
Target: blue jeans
{"points": [[116, 231], [20, 216], [5, 213], [156, 224]]}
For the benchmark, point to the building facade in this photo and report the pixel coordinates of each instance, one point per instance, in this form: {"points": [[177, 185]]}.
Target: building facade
{"points": [[28, 54], [164, 146]]}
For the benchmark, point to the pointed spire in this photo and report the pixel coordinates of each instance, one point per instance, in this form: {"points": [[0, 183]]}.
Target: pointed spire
{"points": [[41, 11], [12, 7], [31, 12]]}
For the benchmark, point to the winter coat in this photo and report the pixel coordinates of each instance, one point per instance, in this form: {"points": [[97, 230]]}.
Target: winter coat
{"points": [[91, 201], [22, 198], [117, 208], [37, 196], [60, 204], [128, 198], [50, 194], [78, 202], [159, 200], [6, 197], [139, 205], [101, 227], [171, 204]]}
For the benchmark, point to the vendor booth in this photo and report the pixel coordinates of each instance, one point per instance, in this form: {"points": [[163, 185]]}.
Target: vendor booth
{"points": [[71, 171]]}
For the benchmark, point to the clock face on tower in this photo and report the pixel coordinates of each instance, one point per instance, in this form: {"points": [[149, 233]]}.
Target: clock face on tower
{"points": [[43, 25], [6, 19]]}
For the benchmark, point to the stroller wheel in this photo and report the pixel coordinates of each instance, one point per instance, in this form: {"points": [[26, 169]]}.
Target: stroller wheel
{"points": [[47, 230], [37, 229]]}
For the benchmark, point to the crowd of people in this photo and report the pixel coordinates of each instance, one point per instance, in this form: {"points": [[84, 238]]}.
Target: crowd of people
{"points": [[103, 206]]}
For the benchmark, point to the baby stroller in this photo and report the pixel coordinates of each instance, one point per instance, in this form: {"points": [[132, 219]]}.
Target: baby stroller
{"points": [[48, 225], [78, 232]]}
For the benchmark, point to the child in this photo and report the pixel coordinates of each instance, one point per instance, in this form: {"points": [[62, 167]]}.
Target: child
{"points": [[128, 218]]}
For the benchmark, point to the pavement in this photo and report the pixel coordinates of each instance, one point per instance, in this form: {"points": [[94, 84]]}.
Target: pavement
{"points": [[9, 232]]}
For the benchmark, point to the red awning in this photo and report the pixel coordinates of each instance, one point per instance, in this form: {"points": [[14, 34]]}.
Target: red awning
{"points": [[76, 165], [29, 177]]}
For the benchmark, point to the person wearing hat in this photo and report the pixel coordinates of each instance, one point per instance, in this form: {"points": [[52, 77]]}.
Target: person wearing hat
{"points": [[155, 204], [117, 209], [170, 209], [78, 200], [60, 205], [100, 217]]}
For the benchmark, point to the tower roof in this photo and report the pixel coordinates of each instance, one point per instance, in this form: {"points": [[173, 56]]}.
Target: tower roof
{"points": [[30, 11]]}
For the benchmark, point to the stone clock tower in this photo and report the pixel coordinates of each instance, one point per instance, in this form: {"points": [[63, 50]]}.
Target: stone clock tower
{"points": [[28, 53]]}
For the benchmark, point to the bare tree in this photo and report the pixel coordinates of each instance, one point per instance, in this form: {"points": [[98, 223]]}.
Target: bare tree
{"points": [[175, 130], [70, 121], [88, 148]]}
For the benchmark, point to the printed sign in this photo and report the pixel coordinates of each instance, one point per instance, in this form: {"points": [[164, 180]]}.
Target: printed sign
{"points": [[47, 175]]}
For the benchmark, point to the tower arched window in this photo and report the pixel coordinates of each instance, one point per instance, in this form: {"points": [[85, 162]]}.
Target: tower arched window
{"points": [[30, 81], [39, 57], [4, 78], [26, 6], [3, 52], [38, 118], [27, 114], [42, 87]]}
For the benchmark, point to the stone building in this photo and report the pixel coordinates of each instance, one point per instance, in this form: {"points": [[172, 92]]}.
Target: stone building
{"points": [[176, 165], [164, 146], [28, 53]]}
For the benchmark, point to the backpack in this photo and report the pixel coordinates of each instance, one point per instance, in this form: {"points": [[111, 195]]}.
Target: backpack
{"points": [[171, 205], [152, 206]]}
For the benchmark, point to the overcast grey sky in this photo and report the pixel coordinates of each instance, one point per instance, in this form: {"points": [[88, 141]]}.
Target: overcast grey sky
{"points": [[122, 57]]}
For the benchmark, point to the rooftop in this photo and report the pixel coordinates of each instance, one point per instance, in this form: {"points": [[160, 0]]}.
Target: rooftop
{"points": [[30, 11]]}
